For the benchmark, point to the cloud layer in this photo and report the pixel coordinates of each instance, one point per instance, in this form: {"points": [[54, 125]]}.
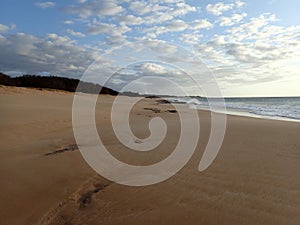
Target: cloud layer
{"points": [[241, 49], [45, 5]]}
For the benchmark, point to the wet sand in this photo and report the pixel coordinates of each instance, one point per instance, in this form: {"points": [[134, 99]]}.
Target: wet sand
{"points": [[254, 179]]}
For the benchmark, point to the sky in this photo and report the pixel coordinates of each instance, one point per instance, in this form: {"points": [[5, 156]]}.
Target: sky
{"points": [[251, 47]]}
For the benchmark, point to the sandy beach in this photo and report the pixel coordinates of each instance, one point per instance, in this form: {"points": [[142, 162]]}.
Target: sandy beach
{"points": [[45, 180]]}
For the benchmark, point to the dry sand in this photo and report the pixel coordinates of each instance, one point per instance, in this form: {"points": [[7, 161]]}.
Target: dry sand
{"points": [[254, 179]]}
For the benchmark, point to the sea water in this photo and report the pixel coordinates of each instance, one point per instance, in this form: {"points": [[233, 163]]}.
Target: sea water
{"points": [[283, 108]]}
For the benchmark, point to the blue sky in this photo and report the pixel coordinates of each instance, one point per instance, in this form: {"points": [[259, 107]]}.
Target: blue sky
{"points": [[252, 47]]}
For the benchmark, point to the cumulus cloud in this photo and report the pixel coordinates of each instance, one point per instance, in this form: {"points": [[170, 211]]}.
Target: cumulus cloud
{"points": [[151, 17], [244, 49], [130, 20], [99, 27], [251, 29], [68, 22], [95, 8], [57, 55], [174, 8], [115, 39], [218, 8], [190, 38], [253, 52], [75, 33], [182, 8], [232, 20], [177, 25], [239, 4], [45, 5], [160, 46], [200, 24], [154, 12], [269, 46], [114, 35], [3, 28], [149, 70], [140, 7]]}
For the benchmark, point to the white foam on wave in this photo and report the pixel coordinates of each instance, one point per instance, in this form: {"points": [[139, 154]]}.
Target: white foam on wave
{"points": [[271, 108]]}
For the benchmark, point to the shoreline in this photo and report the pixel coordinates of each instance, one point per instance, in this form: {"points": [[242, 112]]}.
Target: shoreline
{"points": [[257, 116], [236, 112], [229, 111], [253, 180], [252, 115]]}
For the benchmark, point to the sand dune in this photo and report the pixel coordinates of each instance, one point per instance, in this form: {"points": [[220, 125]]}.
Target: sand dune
{"points": [[254, 179]]}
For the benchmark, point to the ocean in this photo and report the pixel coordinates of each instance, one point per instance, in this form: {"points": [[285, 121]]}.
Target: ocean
{"points": [[282, 108]]}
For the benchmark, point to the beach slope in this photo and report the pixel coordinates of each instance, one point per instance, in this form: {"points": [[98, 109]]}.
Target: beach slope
{"points": [[45, 180]]}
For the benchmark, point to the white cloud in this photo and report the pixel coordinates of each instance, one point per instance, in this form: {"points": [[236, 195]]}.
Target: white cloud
{"points": [[218, 8], [99, 27], [177, 25], [234, 19], [158, 18], [159, 46], [244, 49], [45, 5], [219, 40], [140, 7], [253, 52], [3, 28], [155, 12], [115, 40], [239, 4], [173, 26], [182, 9], [130, 20], [151, 69], [57, 39], [68, 22], [115, 34], [165, 1], [144, 13], [200, 24], [96, 8], [55, 54], [74, 33], [251, 29], [270, 45], [190, 38]]}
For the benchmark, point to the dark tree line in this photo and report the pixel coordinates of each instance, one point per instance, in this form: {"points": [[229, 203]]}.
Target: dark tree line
{"points": [[54, 82]]}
